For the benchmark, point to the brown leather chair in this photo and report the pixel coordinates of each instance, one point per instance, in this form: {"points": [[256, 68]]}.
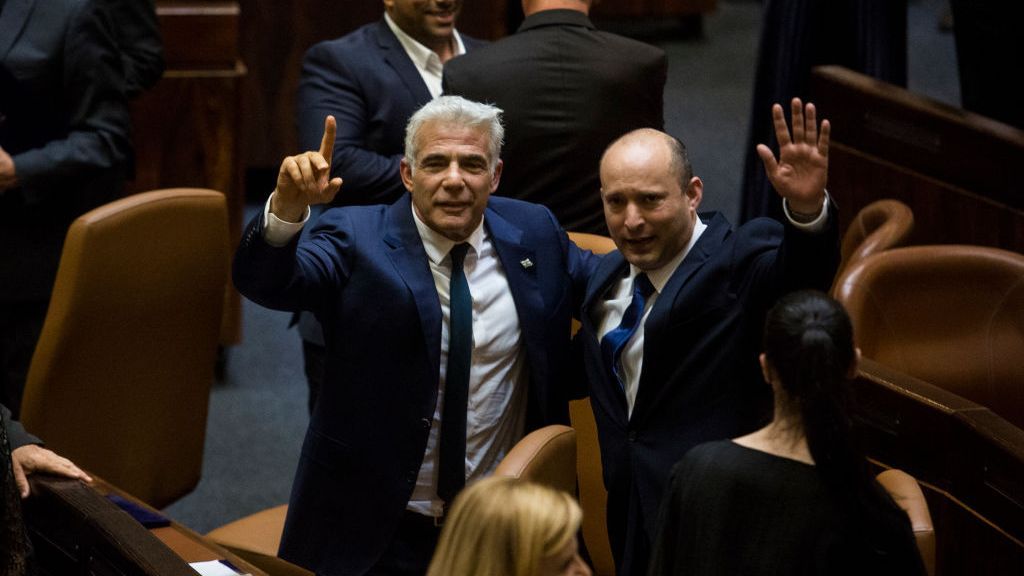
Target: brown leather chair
{"points": [[121, 376], [594, 242], [952, 316], [546, 455], [905, 490], [592, 494], [879, 226]]}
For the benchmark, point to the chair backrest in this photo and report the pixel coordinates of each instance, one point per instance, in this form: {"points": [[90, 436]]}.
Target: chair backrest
{"points": [[907, 494], [592, 493], [594, 242], [546, 456], [881, 225], [952, 316], [121, 376]]}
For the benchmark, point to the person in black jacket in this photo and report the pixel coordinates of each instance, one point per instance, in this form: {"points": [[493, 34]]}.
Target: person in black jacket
{"points": [[796, 496], [568, 90]]}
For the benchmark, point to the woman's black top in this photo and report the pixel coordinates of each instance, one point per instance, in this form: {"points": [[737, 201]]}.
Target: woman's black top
{"points": [[734, 510]]}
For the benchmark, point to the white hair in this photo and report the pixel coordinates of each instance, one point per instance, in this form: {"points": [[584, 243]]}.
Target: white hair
{"points": [[458, 111]]}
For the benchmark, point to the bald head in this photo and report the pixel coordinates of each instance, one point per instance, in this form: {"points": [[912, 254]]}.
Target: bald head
{"points": [[648, 141], [534, 6], [650, 197]]}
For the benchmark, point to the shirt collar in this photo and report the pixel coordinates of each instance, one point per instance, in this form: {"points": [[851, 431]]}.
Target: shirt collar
{"points": [[437, 246], [424, 58], [660, 276]]}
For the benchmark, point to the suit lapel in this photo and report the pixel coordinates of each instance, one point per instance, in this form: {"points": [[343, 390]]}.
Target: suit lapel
{"points": [[520, 265], [672, 299], [610, 270], [12, 20], [405, 249], [399, 61]]}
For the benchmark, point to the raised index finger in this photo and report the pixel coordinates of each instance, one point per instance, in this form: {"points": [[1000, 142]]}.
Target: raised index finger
{"points": [[327, 143]]}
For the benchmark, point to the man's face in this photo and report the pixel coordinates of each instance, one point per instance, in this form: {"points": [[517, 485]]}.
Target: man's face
{"points": [[452, 179], [649, 216], [430, 22]]}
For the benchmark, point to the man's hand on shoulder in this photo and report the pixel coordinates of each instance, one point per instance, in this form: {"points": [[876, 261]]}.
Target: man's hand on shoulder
{"points": [[801, 171], [305, 179]]}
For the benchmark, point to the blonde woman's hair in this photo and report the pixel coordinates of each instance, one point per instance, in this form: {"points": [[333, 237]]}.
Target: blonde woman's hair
{"points": [[503, 526]]}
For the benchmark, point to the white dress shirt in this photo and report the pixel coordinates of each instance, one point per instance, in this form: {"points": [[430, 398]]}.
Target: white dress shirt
{"points": [[427, 62], [496, 408]]}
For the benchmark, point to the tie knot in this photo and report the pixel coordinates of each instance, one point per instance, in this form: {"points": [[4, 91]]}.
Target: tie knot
{"points": [[458, 254], [642, 285]]}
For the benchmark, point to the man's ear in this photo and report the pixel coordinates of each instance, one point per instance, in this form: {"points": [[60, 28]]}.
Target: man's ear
{"points": [[406, 171], [766, 369], [497, 175], [694, 192]]}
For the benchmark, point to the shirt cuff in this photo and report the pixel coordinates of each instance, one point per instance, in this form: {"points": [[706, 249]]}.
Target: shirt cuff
{"points": [[277, 232], [816, 225]]}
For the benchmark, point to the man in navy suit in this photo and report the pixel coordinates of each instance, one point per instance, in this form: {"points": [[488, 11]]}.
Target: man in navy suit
{"points": [[384, 281], [371, 81], [671, 320]]}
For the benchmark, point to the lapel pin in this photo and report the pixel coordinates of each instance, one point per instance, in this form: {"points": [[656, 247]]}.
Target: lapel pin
{"points": [[526, 263]]}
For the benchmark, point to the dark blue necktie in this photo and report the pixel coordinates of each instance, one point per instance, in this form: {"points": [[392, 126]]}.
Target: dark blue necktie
{"points": [[615, 340], [452, 448]]}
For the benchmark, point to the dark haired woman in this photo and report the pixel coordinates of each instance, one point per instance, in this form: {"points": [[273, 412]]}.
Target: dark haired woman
{"points": [[794, 497]]}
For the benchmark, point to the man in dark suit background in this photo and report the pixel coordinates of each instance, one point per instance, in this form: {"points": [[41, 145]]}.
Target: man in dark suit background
{"points": [[567, 90], [375, 475], [63, 146], [671, 320], [371, 81]]}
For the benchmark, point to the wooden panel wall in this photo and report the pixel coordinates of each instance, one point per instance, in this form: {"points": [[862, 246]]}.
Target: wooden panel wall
{"points": [[956, 170], [185, 129]]}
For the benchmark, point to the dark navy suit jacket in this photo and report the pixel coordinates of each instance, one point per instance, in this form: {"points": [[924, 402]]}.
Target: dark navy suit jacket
{"points": [[700, 378], [367, 81], [365, 274], [64, 120]]}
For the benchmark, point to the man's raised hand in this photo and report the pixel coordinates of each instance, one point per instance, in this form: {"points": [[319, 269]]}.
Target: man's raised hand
{"points": [[305, 179], [801, 171]]}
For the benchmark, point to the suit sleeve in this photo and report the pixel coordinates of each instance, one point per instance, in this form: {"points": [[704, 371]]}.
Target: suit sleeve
{"points": [[98, 123], [329, 86], [803, 260], [300, 275], [138, 37], [16, 434]]}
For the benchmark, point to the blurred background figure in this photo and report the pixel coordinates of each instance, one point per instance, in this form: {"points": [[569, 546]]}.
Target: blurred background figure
{"points": [[795, 497], [64, 150], [137, 33], [867, 36], [503, 526]]}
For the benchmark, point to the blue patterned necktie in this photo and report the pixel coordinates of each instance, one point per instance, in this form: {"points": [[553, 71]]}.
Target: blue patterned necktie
{"points": [[615, 340], [452, 446]]}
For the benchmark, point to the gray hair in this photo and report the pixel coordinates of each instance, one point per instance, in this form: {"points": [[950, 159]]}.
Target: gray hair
{"points": [[461, 112]]}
